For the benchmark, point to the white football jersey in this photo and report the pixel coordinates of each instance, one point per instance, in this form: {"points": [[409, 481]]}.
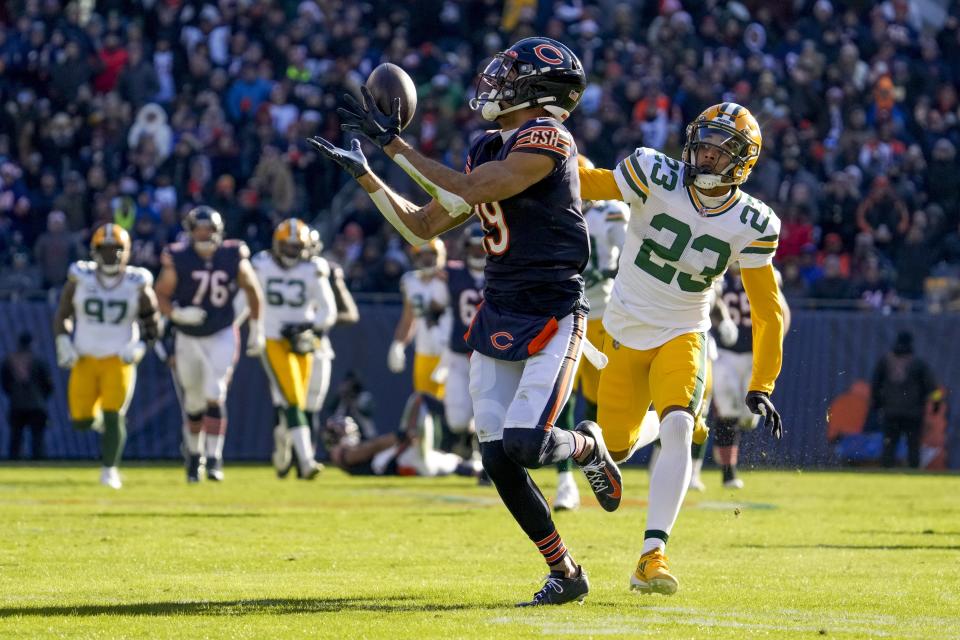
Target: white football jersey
{"points": [[676, 246], [300, 294], [607, 226], [105, 314], [423, 294]]}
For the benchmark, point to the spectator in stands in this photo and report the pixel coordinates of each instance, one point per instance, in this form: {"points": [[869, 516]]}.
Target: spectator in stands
{"points": [[26, 381], [883, 216], [138, 83], [902, 385], [56, 249], [834, 86], [833, 286], [914, 260]]}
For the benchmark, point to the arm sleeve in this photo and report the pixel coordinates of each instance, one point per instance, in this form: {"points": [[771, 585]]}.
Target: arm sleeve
{"points": [[764, 296], [598, 184]]}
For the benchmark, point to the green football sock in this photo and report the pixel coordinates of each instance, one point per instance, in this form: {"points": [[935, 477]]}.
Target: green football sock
{"points": [[114, 437], [83, 425], [295, 417]]}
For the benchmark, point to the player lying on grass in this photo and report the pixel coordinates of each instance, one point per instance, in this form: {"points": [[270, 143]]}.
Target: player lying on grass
{"points": [[527, 337], [405, 452], [689, 220]]}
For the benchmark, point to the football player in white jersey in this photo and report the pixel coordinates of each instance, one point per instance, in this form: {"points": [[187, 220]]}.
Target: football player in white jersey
{"points": [[109, 303], [689, 221], [347, 313], [299, 309], [607, 226], [425, 319]]}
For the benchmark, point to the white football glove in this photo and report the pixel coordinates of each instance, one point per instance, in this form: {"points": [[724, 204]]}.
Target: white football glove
{"points": [[255, 341], [727, 331], [441, 372], [397, 357], [188, 316], [67, 355], [133, 352]]}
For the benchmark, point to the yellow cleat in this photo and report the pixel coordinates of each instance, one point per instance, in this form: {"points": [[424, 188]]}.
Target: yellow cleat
{"points": [[700, 431], [653, 576]]}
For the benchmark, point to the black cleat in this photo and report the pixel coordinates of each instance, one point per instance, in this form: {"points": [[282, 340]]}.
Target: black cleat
{"points": [[558, 589], [601, 471], [483, 480], [193, 469], [215, 469]]}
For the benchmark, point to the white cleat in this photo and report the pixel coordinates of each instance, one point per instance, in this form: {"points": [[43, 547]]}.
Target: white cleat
{"points": [[282, 457], [110, 477], [568, 496], [696, 484], [733, 483]]}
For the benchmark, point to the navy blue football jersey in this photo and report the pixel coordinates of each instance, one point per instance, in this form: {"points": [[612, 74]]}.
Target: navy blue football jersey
{"points": [[536, 241], [737, 302], [207, 283], [466, 293]]}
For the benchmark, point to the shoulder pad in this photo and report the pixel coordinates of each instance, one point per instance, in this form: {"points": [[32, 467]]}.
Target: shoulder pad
{"points": [[321, 265], [237, 245], [139, 276], [81, 269], [544, 136]]}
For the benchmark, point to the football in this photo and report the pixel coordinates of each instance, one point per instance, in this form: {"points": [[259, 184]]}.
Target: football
{"points": [[387, 82]]}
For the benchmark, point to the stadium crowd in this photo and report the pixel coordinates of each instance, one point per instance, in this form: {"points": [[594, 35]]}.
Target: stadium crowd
{"points": [[136, 111]]}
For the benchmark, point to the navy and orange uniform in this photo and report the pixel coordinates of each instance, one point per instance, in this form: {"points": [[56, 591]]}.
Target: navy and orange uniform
{"points": [[735, 297], [466, 294], [207, 283], [536, 241]]}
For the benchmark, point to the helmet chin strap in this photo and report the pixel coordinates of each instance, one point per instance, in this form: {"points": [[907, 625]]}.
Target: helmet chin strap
{"points": [[490, 110]]}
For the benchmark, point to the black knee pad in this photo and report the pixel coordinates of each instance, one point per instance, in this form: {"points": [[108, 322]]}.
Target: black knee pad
{"points": [[725, 432], [215, 411], [527, 447], [194, 417]]}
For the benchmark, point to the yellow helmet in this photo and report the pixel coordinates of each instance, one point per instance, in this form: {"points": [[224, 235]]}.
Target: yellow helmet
{"points": [[291, 242], [423, 255], [734, 131], [110, 248]]}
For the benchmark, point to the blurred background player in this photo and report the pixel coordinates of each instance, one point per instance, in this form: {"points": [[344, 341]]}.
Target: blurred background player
{"points": [[734, 368], [347, 313], [424, 319], [391, 454], [527, 337], [426, 322], [196, 290], [607, 227], [689, 220], [114, 312], [465, 293], [299, 309]]}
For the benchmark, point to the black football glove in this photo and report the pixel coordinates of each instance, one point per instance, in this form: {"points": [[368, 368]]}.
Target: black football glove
{"points": [[352, 161], [367, 119], [759, 403]]}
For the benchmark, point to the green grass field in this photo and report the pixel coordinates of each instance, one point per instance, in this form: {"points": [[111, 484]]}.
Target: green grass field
{"points": [[794, 555]]}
